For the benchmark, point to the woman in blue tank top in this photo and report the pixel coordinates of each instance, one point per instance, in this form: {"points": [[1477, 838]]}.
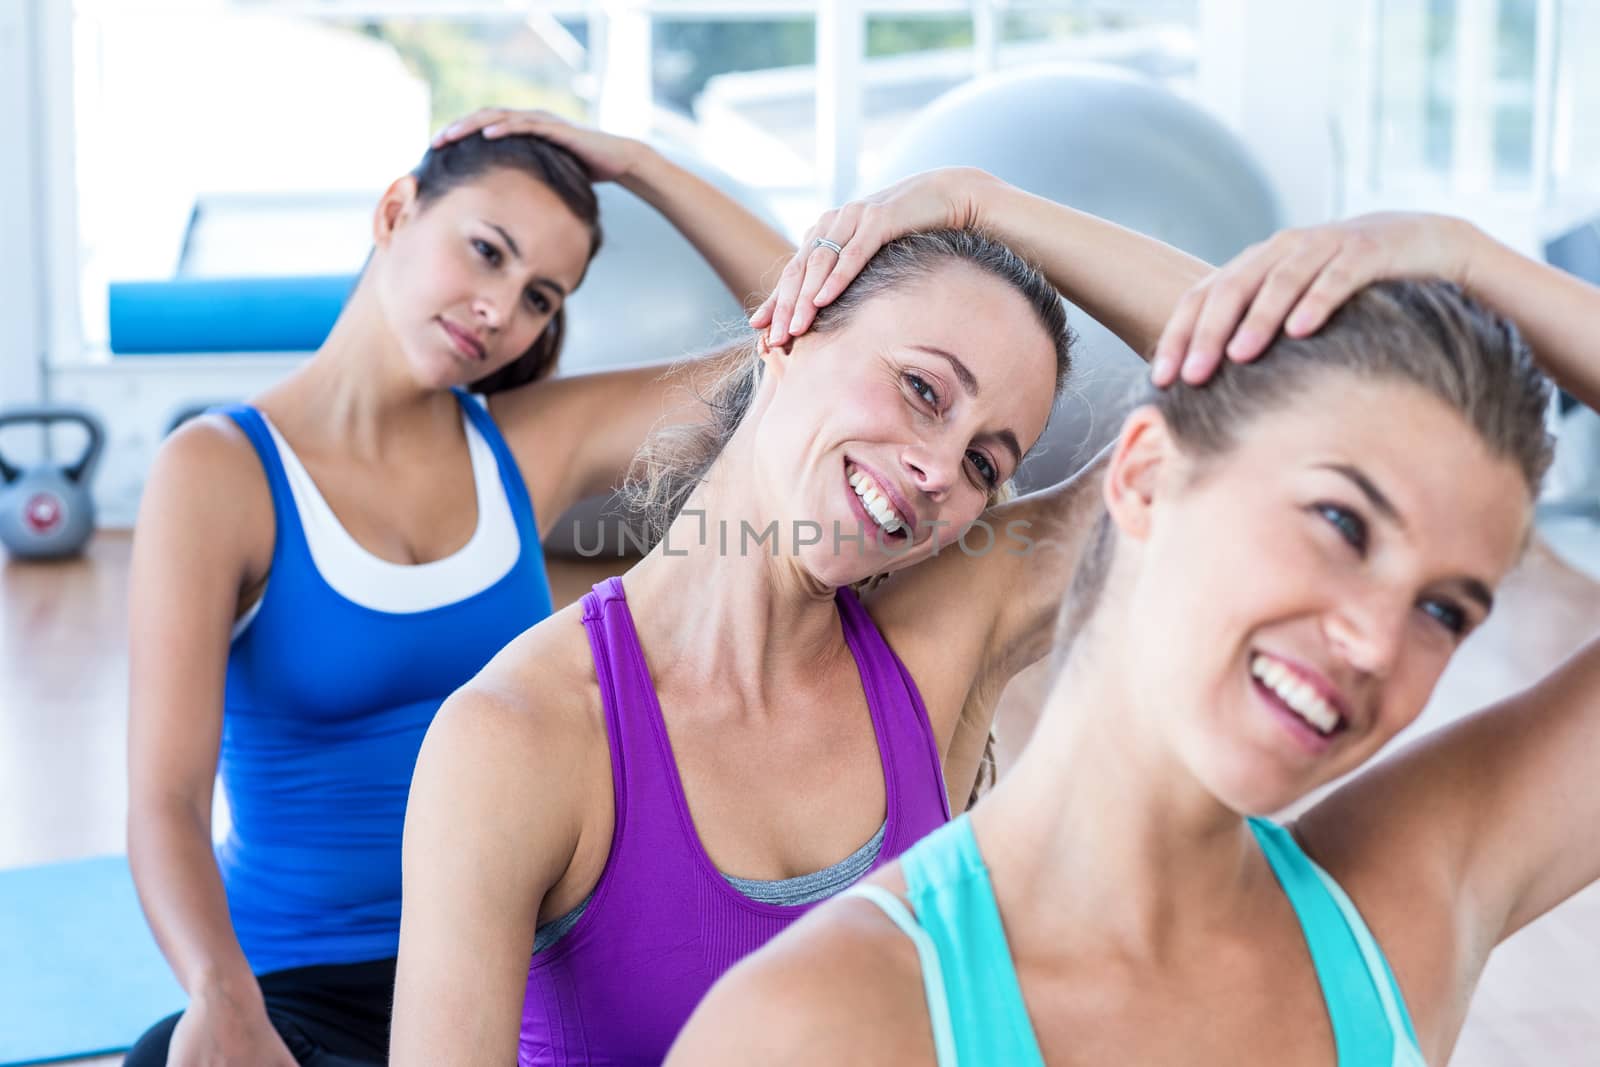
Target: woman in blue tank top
{"points": [[315, 572], [1289, 557]]}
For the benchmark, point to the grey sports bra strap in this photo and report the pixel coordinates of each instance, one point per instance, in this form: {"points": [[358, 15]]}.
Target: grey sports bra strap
{"points": [[944, 1042]]}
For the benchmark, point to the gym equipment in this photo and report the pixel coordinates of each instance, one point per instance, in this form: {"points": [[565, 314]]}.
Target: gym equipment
{"points": [[1115, 145], [187, 315], [80, 974], [46, 510], [1572, 491]]}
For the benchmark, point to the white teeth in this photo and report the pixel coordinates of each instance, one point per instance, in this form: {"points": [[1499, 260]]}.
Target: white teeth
{"points": [[875, 502], [1301, 698]]}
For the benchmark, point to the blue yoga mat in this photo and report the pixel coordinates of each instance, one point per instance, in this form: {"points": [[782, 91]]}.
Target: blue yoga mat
{"points": [[80, 974], [290, 314]]}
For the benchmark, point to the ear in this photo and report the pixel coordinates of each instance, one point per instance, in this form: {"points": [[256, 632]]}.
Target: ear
{"points": [[776, 357], [1144, 449], [397, 205]]}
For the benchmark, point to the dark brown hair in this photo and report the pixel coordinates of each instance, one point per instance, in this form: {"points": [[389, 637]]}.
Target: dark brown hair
{"points": [[1427, 334], [459, 162]]}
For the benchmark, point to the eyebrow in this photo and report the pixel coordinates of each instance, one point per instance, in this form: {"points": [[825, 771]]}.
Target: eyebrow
{"points": [[969, 382], [1374, 495], [1479, 592], [511, 242], [516, 253], [1472, 587]]}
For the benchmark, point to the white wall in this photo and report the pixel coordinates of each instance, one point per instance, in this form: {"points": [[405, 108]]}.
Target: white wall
{"points": [[22, 297], [1265, 67]]}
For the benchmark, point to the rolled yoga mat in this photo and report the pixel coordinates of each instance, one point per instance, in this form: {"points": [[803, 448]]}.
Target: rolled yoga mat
{"points": [[184, 315], [80, 974]]}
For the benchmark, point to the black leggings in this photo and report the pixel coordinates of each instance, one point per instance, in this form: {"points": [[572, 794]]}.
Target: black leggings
{"points": [[329, 1016]]}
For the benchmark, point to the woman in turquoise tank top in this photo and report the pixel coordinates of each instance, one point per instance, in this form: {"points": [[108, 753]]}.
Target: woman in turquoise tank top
{"points": [[314, 573], [1354, 498]]}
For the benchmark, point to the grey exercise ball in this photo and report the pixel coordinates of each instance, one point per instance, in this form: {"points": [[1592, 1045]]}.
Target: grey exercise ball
{"points": [[648, 296], [1115, 145]]}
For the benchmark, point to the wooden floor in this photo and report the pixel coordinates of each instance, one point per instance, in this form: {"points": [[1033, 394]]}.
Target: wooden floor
{"points": [[63, 668]]}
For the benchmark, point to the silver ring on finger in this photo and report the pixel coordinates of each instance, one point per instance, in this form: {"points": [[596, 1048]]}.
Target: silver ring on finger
{"points": [[823, 242]]}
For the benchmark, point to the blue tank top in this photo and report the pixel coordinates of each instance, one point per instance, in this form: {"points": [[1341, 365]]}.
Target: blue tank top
{"points": [[326, 705], [975, 999]]}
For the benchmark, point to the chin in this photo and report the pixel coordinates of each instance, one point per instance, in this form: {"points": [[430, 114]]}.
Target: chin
{"points": [[1265, 797], [1252, 788], [434, 373], [837, 571]]}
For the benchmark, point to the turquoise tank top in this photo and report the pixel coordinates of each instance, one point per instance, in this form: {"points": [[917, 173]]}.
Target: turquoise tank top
{"points": [[975, 1000]]}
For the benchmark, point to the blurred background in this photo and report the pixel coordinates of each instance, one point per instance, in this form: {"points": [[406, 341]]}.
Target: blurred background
{"points": [[159, 139], [163, 156]]}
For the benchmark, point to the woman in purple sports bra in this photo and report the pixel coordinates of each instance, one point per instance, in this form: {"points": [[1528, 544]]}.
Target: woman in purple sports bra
{"points": [[654, 782]]}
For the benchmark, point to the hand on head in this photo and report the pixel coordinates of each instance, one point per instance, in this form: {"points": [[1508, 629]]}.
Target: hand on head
{"points": [[841, 242], [608, 157], [1293, 282]]}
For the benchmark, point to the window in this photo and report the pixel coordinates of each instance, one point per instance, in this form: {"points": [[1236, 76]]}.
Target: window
{"points": [[1467, 95], [254, 139]]}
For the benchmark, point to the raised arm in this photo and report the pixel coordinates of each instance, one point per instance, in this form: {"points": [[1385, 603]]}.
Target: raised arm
{"points": [[575, 437], [1295, 280], [191, 559], [743, 250], [492, 822], [1127, 281]]}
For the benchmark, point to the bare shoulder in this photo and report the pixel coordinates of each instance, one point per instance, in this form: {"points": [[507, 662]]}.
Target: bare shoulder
{"points": [[1019, 551], [842, 986], [536, 700], [518, 757], [207, 497], [212, 453], [556, 426], [983, 609]]}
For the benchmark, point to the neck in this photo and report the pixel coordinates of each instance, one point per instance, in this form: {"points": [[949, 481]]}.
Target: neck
{"points": [[1103, 839], [357, 394], [724, 612]]}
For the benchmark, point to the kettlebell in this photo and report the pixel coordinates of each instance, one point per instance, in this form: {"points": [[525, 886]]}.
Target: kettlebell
{"points": [[47, 511]]}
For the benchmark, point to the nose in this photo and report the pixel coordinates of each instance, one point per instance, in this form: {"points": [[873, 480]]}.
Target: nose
{"points": [[1368, 631], [489, 309], [932, 472]]}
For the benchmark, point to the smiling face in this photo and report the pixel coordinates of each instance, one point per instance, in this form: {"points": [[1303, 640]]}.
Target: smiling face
{"points": [[900, 425], [1291, 602], [468, 280]]}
